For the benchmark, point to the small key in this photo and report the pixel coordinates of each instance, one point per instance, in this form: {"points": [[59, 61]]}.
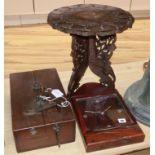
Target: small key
{"points": [[57, 133]]}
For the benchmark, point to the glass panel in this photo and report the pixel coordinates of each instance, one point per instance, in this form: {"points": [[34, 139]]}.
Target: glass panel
{"points": [[104, 112]]}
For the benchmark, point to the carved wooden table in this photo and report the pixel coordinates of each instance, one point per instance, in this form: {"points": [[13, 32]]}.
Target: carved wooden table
{"points": [[103, 118], [93, 29]]}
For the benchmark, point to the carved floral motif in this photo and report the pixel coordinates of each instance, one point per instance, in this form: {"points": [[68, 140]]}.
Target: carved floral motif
{"points": [[80, 51], [94, 52]]}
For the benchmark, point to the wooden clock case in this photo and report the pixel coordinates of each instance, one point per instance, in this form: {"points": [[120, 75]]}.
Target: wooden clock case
{"points": [[103, 118]]}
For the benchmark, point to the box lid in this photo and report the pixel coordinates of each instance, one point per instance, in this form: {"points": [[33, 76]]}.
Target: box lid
{"points": [[23, 95]]}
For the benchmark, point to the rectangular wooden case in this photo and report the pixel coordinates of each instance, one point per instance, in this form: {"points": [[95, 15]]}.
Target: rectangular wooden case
{"points": [[103, 118], [37, 131]]}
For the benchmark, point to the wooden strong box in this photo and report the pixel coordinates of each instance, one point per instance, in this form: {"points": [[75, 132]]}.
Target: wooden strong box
{"points": [[47, 127]]}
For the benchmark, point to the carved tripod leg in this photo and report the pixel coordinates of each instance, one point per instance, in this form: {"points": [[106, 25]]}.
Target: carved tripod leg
{"points": [[100, 52], [80, 50]]}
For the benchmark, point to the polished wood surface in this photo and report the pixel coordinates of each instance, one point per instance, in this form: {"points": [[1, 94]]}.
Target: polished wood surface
{"points": [[123, 72], [102, 131], [87, 20], [39, 46], [38, 130], [36, 47]]}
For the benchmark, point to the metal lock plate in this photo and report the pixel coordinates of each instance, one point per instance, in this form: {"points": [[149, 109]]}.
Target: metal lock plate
{"points": [[33, 131]]}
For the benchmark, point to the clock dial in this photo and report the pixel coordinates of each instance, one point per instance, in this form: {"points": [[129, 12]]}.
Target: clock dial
{"points": [[104, 112]]}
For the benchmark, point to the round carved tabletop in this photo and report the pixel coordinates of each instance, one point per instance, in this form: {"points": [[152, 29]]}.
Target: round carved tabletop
{"points": [[90, 20]]}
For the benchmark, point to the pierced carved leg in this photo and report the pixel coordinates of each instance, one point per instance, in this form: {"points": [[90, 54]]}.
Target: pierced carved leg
{"points": [[80, 50], [101, 50]]}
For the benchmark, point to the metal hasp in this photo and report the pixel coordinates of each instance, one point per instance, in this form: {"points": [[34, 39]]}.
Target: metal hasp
{"points": [[43, 100], [137, 98], [93, 29]]}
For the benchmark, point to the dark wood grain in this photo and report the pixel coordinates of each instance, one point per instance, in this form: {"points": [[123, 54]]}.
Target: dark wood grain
{"points": [[80, 55], [93, 28], [95, 52], [90, 19], [54, 83], [106, 138], [22, 95], [37, 131]]}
